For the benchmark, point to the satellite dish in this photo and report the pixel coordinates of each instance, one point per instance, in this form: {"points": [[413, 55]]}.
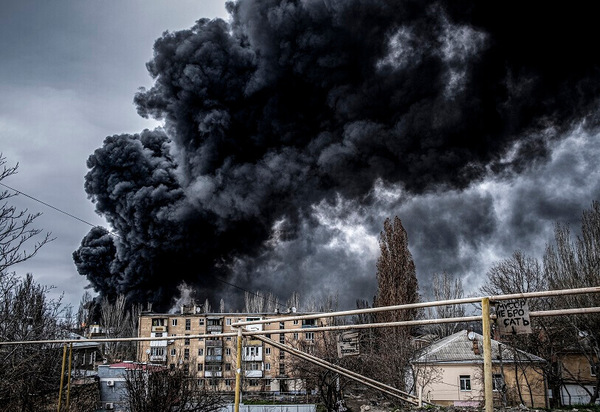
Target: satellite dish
{"points": [[471, 335]]}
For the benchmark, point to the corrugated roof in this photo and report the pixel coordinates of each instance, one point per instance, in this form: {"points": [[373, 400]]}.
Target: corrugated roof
{"points": [[458, 348]]}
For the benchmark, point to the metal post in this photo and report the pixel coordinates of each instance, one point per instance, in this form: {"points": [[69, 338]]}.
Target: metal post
{"points": [[62, 375], [238, 370], [69, 375], [487, 355]]}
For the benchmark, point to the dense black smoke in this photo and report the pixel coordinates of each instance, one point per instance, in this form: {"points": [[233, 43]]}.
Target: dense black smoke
{"points": [[294, 103]]}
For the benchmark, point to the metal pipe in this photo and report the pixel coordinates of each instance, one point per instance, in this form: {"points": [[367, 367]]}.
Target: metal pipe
{"points": [[346, 372], [555, 312], [593, 289]]}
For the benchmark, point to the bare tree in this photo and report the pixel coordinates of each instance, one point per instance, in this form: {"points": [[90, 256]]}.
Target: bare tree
{"points": [[253, 302], [16, 230], [156, 388], [574, 263], [30, 374], [446, 288], [328, 384], [119, 322]]}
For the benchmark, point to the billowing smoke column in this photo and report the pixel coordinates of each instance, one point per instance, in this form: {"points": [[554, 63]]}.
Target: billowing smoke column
{"points": [[292, 103]]}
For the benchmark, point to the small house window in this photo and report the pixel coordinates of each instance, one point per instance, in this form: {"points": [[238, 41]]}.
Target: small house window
{"points": [[497, 382], [465, 382]]}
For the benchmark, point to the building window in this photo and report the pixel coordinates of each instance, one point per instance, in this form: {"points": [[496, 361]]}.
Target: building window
{"points": [[200, 367], [200, 351], [228, 366], [158, 322], [267, 351], [497, 382], [295, 335], [228, 338], [309, 323], [157, 351], [174, 322], [281, 325], [227, 351], [173, 352], [228, 322], [296, 322], [186, 353], [254, 366], [309, 335], [228, 382], [251, 351], [267, 366], [254, 382], [188, 324], [201, 322], [268, 335], [186, 341], [281, 354], [158, 335], [281, 369], [282, 338], [465, 382]]}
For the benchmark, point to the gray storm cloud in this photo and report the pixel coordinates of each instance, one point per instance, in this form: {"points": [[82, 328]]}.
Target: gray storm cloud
{"points": [[292, 104]]}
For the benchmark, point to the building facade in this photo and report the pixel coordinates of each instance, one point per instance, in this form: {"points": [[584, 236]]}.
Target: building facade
{"points": [[450, 373], [213, 359]]}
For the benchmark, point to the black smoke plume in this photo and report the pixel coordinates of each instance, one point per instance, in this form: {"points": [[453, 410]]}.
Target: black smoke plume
{"points": [[293, 103]]}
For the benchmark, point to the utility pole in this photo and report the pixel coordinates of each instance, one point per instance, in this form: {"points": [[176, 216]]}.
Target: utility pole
{"points": [[238, 370], [487, 355]]}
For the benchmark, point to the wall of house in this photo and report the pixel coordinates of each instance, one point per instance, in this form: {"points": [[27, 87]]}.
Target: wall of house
{"points": [[443, 385], [524, 385], [112, 387], [577, 375]]}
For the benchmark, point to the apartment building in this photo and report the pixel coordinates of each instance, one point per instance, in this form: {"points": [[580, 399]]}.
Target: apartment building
{"points": [[213, 359]]}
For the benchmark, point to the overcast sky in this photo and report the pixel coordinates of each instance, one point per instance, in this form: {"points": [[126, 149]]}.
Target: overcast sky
{"points": [[68, 75]]}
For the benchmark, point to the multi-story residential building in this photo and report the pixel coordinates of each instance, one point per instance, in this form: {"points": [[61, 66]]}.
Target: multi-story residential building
{"points": [[213, 359]]}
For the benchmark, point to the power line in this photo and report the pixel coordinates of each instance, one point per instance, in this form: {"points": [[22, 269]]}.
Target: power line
{"points": [[52, 207], [116, 235]]}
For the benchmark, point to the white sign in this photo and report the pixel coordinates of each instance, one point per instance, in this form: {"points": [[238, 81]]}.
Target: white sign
{"points": [[512, 317], [347, 344]]}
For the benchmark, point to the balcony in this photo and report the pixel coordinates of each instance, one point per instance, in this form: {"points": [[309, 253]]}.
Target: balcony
{"points": [[253, 374], [213, 358], [159, 328], [213, 343], [214, 328], [213, 374], [158, 358]]}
